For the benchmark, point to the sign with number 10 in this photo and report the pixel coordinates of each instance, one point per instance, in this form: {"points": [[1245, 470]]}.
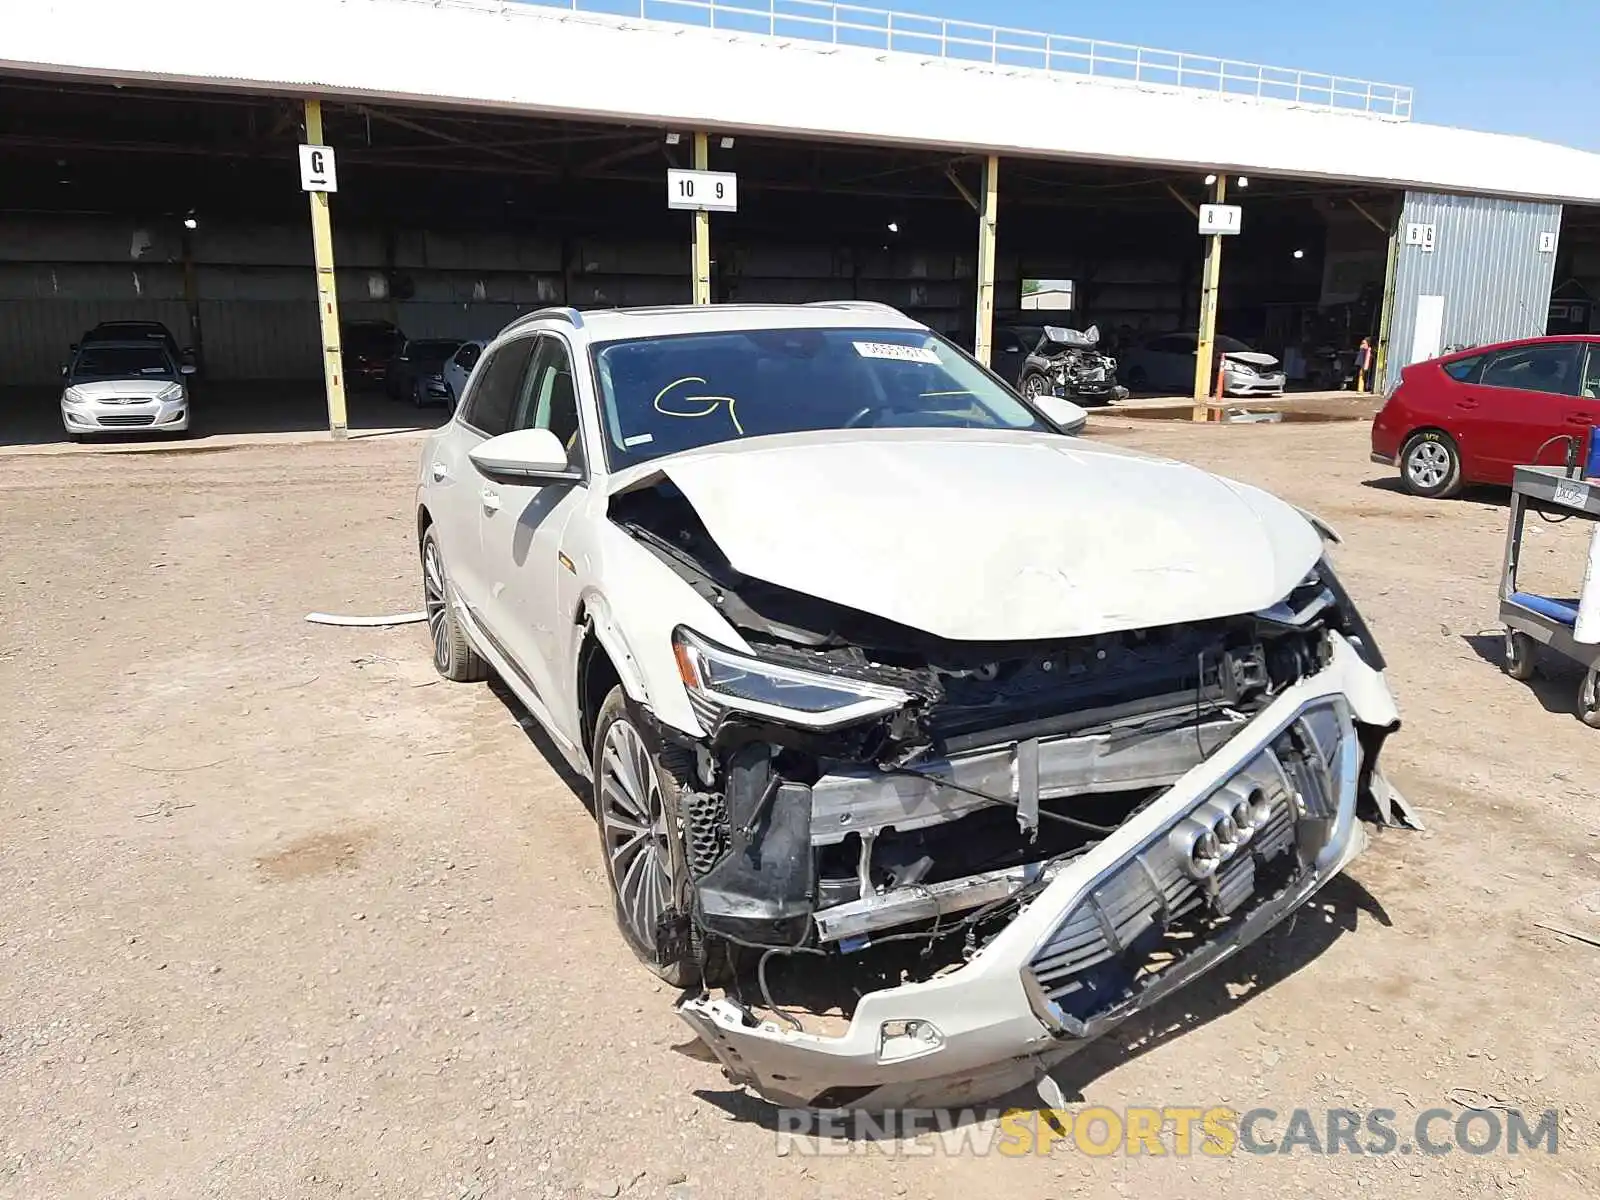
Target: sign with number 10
{"points": [[703, 191]]}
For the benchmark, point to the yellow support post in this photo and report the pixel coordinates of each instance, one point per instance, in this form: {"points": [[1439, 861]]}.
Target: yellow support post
{"points": [[327, 290], [702, 229], [1210, 281], [988, 219], [1381, 358]]}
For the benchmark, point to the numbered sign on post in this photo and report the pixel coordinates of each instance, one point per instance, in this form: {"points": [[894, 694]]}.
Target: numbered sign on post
{"points": [[1220, 218], [318, 172], [707, 191]]}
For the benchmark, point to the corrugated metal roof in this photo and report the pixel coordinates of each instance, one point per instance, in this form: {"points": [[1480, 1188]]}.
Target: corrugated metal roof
{"points": [[486, 54]]}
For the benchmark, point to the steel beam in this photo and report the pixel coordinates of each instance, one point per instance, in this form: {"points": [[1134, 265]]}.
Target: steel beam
{"points": [[1205, 343], [327, 289], [1380, 362], [702, 229], [988, 218]]}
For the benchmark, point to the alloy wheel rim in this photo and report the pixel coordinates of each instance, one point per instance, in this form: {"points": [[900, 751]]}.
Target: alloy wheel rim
{"points": [[1429, 464], [634, 827], [434, 602]]}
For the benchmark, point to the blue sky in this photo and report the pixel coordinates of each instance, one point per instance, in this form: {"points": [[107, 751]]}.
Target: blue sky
{"points": [[1531, 67]]}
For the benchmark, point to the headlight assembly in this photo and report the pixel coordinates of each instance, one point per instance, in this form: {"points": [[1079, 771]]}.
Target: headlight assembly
{"points": [[173, 391], [718, 680]]}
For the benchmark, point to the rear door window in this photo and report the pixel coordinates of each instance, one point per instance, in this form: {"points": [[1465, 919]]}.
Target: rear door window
{"points": [[1465, 370]]}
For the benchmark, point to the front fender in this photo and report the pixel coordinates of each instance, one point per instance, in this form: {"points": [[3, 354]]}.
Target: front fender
{"points": [[634, 601]]}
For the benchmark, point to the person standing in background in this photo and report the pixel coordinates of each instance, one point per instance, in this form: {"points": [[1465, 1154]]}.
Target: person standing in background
{"points": [[1365, 365]]}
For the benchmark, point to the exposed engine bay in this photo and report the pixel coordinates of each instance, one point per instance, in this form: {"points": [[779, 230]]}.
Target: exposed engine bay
{"points": [[938, 820]]}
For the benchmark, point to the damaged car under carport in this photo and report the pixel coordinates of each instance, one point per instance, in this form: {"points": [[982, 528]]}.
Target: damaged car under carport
{"points": [[1074, 722]]}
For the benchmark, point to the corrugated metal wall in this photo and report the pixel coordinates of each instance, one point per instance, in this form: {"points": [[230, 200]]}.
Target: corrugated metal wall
{"points": [[1486, 262]]}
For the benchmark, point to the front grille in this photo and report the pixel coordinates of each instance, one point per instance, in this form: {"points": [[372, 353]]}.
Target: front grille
{"points": [[129, 419], [1150, 913]]}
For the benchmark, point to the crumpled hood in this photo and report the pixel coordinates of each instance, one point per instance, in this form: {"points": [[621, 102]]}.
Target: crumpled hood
{"points": [[121, 389], [979, 536], [1254, 357]]}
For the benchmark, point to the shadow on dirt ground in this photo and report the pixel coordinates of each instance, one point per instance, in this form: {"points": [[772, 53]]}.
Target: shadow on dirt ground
{"points": [[577, 784], [1556, 679]]}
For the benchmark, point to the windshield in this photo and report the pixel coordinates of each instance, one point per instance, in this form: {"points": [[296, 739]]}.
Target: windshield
{"points": [[1230, 345], [122, 362], [664, 395]]}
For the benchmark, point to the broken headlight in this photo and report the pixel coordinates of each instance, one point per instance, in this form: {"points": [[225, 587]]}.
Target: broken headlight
{"points": [[718, 679]]}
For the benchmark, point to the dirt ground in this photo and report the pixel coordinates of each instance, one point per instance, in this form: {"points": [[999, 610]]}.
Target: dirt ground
{"points": [[283, 916]]}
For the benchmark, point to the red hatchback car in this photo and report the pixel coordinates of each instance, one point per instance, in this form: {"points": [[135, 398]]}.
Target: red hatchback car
{"points": [[1473, 416]]}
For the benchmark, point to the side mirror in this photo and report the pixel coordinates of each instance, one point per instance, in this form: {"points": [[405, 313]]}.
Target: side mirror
{"points": [[186, 369], [524, 457], [1066, 416]]}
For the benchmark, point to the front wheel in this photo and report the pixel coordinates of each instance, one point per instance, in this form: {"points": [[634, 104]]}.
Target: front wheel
{"points": [[1589, 698], [1520, 660], [636, 809], [1035, 385], [1430, 465]]}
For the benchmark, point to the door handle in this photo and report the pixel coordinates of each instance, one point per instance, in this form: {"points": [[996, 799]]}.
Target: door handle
{"points": [[440, 472], [1466, 404], [1579, 419], [490, 500]]}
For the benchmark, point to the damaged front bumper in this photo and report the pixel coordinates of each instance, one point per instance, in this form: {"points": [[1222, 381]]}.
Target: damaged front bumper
{"points": [[1091, 949]]}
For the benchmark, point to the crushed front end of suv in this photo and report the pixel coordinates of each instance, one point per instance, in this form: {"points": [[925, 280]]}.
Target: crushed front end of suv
{"points": [[874, 668]]}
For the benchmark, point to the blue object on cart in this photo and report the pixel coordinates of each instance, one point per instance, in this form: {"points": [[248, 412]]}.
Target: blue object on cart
{"points": [[1565, 611], [1591, 455]]}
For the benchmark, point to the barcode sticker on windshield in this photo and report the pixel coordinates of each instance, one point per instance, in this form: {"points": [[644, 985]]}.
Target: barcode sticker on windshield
{"points": [[894, 353]]}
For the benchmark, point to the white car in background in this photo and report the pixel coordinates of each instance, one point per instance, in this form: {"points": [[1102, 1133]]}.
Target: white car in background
{"points": [[1166, 364], [458, 369], [132, 386], [865, 655]]}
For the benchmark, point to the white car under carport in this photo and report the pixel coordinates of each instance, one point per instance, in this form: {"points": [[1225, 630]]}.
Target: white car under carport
{"points": [[131, 386], [1166, 364]]}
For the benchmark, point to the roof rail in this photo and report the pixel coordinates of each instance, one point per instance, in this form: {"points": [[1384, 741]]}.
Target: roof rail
{"points": [[858, 305], [570, 315]]}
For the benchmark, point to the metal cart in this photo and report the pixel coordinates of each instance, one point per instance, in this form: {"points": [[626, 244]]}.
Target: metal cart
{"points": [[1533, 620]]}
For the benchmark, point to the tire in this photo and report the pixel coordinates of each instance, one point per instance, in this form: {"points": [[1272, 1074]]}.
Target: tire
{"points": [[1035, 385], [417, 400], [453, 655], [1430, 465], [637, 806], [1589, 698], [1521, 660], [75, 437]]}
